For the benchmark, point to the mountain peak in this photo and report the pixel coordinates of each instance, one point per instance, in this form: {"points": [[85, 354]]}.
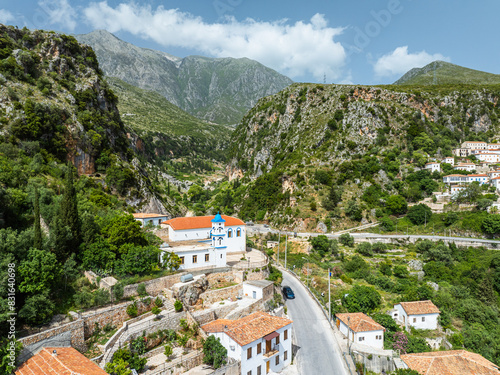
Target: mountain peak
{"points": [[441, 73]]}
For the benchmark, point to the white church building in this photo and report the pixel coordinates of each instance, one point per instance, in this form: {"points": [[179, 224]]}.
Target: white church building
{"points": [[203, 241]]}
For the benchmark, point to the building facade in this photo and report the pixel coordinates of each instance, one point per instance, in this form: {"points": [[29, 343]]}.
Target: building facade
{"points": [[361, 329], [418, 314], [262, 342], [153, 219]]}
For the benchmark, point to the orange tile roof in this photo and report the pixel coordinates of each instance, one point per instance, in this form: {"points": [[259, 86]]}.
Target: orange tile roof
{"points": [[146, 216], [68, 361], [248, 329], [419, 307], [477, 175], [456, 175], [180, 223], [360, 322], [452, 362]]}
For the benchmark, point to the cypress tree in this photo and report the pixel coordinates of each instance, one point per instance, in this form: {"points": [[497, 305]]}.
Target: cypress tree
{"points": [[69, 210], [37, 243]]}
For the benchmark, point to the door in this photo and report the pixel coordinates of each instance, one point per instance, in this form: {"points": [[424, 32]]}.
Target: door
{"points": [[268, 346], [267, 366], [254, 294]]}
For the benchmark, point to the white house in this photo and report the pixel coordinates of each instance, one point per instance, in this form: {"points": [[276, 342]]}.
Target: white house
{"points": [[418, 314], [481, 178], [455, 179], [495, 182], [262, 342], [455, 189], [433, 166], [449, 160], [204, 228], [493, 174], [475, 145], [259, 289], [154, 219], [465, 167], [361, 329], [489, 157]]}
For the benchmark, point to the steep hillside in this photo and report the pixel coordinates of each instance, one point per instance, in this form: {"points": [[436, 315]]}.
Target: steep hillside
{"points": [[56, 106], [444, 73], [173, 140], [216, 90], [337, 153]]}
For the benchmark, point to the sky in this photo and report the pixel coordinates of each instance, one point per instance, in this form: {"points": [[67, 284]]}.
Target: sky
{"points": [[357, 41]]}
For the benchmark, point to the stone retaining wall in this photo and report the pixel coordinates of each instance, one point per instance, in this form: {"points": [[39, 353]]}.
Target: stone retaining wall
{"points": [[155, 286], [211, 296]]}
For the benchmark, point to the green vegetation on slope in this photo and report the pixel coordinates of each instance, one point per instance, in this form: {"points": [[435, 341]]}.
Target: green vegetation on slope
{"points": [[444, 73]]}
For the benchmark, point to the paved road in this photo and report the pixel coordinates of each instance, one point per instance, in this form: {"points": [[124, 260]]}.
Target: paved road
{"points": [[318, 352], [259, 228]]}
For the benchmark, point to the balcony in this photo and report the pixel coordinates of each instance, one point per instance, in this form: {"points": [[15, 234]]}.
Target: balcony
{"points": [[274, 350]]}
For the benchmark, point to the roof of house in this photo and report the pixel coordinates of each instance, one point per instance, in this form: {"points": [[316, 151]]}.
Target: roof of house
{"points": [[66, 361], [419, 307], [477, 175], [359, 322], [464, 164], [259, 283], [456, 175], [196, 222], [146, 216], [474, 142], [496, 178], [432, 162], [452, 362], [247, 329]]}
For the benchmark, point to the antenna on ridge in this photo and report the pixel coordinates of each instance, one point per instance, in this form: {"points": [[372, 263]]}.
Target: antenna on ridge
{"points": [[434, 82], [324, 78]]}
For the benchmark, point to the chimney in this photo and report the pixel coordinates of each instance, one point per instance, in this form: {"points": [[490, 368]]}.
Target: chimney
{"points": [[54, 353]]}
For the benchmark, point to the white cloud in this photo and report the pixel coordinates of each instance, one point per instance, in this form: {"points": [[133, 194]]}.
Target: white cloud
{"points": [[6, 16], [296, 50], [400, 61], [59, 12]]}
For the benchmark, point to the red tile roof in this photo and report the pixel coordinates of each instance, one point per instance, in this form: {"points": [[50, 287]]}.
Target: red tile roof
{"points": [[477, 175], [67, 361], [452, 362], [196, 222], [248, 329], [419, 307], [456, 175], [360, 322]]}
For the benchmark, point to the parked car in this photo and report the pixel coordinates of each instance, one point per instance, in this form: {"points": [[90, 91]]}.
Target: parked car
{"points": [[266, 225], [288, 292]]}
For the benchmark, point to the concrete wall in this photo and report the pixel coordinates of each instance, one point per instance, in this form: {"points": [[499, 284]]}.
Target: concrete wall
{"points": [[232, 368]]}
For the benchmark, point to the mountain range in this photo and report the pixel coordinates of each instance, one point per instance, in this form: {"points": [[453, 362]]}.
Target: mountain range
{"points": [[219, 90]]}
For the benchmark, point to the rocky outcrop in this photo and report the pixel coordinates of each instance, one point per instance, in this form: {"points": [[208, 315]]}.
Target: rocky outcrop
{"points": [[190, 294]]}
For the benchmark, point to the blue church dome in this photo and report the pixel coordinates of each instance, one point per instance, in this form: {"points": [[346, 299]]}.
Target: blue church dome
{"points": [[218, 219]]}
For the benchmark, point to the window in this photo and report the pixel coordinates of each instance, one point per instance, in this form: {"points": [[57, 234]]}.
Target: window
{"points": [[249, 372], [277, 360], [259, 348], [207, 257], [378, 337], [195, 258], [249, 353], [285, 334], [182, 260], [285, 355], [259, 370], [229, 233], [238, 232], [423, 319], [414, 320], [361, 339], [277, 340]]}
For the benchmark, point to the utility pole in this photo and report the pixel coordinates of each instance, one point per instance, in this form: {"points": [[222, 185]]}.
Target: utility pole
{"points": [[286, 245], [329, 299], [279, 238]]}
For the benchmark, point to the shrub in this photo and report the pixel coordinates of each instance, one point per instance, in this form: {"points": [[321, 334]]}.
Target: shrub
{"points": [[141, 290], [346, 239], [214, 352], [156, 310], [158, 302], [365, 248], [168, 352], [118, 291], [178, 306], [419, 214], [132, 310]]}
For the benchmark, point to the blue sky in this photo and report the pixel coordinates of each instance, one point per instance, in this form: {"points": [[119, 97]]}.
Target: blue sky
{"points": [[361, 41]]}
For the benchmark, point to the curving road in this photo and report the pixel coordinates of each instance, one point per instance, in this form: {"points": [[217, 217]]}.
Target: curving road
{"points": [[317, 350]]}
